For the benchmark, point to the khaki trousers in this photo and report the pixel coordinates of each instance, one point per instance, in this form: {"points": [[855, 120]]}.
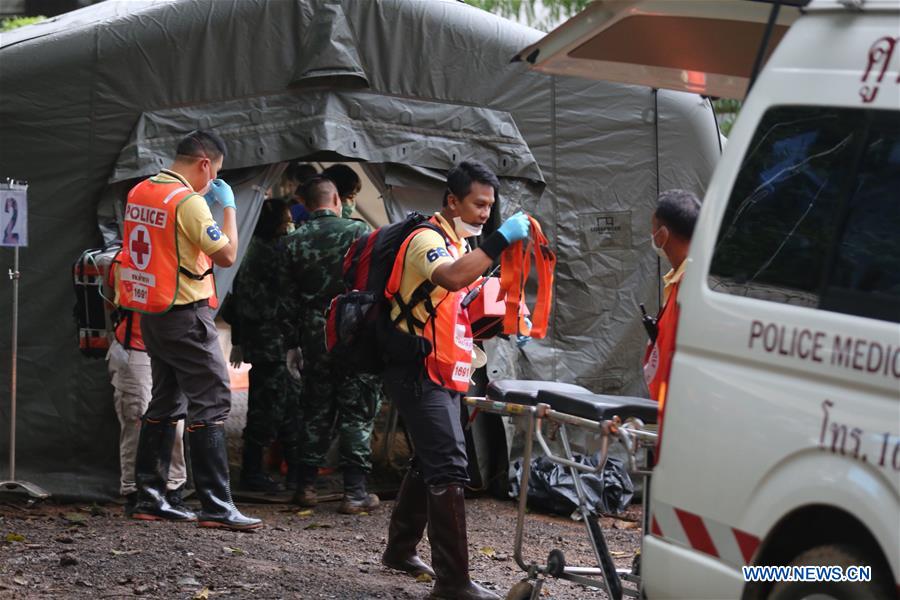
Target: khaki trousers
{"points": [[131, 379]]}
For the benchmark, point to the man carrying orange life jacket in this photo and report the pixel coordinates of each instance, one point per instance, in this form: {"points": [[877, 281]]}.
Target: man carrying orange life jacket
{"points": [[426, 379], [672, 227], [170, 242]]}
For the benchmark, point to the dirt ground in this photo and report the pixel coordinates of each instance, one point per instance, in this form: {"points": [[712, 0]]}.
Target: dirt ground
{"points": [[78, 551]]}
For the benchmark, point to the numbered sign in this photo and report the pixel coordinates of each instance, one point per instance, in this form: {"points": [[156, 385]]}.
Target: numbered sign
{"points": [[13, 218]]}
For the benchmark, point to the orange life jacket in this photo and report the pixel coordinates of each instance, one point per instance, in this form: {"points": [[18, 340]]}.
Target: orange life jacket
{"points": [[515, 265], [449, 364], [658, 357], [148, 275]]}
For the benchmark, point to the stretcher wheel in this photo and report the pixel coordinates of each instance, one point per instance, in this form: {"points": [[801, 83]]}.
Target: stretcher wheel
{"points": [[556, 563], [521, 591]]}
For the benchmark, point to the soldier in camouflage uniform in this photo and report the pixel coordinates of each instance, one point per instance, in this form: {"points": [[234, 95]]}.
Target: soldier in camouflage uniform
{"points": [[311, 275], [274, 397]]}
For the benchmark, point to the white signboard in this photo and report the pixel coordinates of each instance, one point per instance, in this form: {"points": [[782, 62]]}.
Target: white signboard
{"points": [[13, 218]]}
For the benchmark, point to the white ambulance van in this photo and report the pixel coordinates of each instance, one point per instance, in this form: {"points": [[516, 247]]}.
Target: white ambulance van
{"points": [[780, 439]]}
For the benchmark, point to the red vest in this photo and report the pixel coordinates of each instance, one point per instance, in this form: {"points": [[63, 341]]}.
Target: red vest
{"points": [[658, 358], [447, 328], [148, 276]]}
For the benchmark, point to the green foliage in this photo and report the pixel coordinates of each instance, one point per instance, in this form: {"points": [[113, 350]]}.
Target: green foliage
{"points": [[16, 22], [554, 10], [727, 110]]}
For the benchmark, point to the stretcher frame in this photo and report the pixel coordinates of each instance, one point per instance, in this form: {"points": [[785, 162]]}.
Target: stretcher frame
{"points": [[633, 436]]}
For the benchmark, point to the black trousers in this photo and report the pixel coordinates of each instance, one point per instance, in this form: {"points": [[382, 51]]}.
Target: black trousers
{"points": [[431, 414], [190, 379]]}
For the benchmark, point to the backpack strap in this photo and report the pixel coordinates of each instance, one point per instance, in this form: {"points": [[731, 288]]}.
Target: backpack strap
{"points": [[515, 267], [421, 295], [200, 277]]}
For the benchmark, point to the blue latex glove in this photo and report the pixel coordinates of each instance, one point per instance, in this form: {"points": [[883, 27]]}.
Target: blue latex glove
{"points": [[515, 228], [220, 193], [521, 340]]}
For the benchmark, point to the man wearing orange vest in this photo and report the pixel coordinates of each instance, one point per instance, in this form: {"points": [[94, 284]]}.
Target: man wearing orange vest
{"points": [[429, 365], [672, 226], [170, 242]]}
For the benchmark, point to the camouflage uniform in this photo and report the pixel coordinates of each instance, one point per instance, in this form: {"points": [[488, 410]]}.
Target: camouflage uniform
{"points": [[310, 277], [274, 398]]}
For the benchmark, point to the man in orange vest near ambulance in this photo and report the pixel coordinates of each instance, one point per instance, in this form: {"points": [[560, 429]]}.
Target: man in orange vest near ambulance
{"points": [[429, 365], [672, 226], [170, 242]]}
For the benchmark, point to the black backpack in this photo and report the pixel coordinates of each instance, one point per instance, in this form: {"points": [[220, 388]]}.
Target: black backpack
{"points": [[358, 330]]}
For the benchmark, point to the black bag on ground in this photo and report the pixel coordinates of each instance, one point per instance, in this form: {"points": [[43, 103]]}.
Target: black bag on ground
{"points": [[357, 327], [551, 487]]}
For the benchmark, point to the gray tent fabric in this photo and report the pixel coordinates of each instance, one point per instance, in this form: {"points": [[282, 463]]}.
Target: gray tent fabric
{"points": [[358, 125], [249, 194], [98, 97]]}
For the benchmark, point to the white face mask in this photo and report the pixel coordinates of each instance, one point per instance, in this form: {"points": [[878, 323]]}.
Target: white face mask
{"points": [[659, 251], [465, 230], [289, 228]]}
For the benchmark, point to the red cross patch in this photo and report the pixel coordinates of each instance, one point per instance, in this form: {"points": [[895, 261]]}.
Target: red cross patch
{"points": [[139, 247]]}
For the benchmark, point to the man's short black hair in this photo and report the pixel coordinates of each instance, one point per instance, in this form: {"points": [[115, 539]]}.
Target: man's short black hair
{"points": [[678, 210], [201, 143], [315, 191], [460, 178], [345, 180]]}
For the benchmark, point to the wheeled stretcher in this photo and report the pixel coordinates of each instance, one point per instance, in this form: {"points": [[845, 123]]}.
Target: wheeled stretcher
{"points": [[624, 419]]}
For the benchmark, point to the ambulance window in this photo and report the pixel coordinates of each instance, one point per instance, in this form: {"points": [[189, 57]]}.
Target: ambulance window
{"points": [[865, 276], [786, 204]]}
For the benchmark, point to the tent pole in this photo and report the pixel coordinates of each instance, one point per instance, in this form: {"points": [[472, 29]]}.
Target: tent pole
{"points": [[14, 275]]}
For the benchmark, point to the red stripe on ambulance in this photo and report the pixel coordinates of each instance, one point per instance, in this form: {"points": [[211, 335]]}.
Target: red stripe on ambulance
{"points": [[696, 532], [728, 544]]}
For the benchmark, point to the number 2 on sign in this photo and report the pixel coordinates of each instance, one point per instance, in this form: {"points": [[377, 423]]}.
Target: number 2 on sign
{"points": [[11, 206]]}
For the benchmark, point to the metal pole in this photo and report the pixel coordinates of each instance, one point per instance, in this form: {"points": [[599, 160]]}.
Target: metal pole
{"points": [[764, 45], [14, 275], [11, 484]]}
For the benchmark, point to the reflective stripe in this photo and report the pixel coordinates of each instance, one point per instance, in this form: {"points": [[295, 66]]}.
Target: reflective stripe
{"points": [[732, 546], [178, 191]]}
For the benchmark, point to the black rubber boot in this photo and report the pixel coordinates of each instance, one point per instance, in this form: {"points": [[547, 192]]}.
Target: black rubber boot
{"points": [[450, 545], [306, 495], [408, 520], [151, 471], [356, 498], [209, 457], [253, 477]]}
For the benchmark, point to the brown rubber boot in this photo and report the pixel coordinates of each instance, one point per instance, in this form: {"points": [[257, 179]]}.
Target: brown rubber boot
{"points": [[450, 545], [407, 526]]}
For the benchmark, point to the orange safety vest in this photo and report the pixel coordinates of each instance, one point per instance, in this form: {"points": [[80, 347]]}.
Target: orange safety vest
{"points": [[128, 327], [148, 276], [515, 265], [449, 364], [658, 357]]}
